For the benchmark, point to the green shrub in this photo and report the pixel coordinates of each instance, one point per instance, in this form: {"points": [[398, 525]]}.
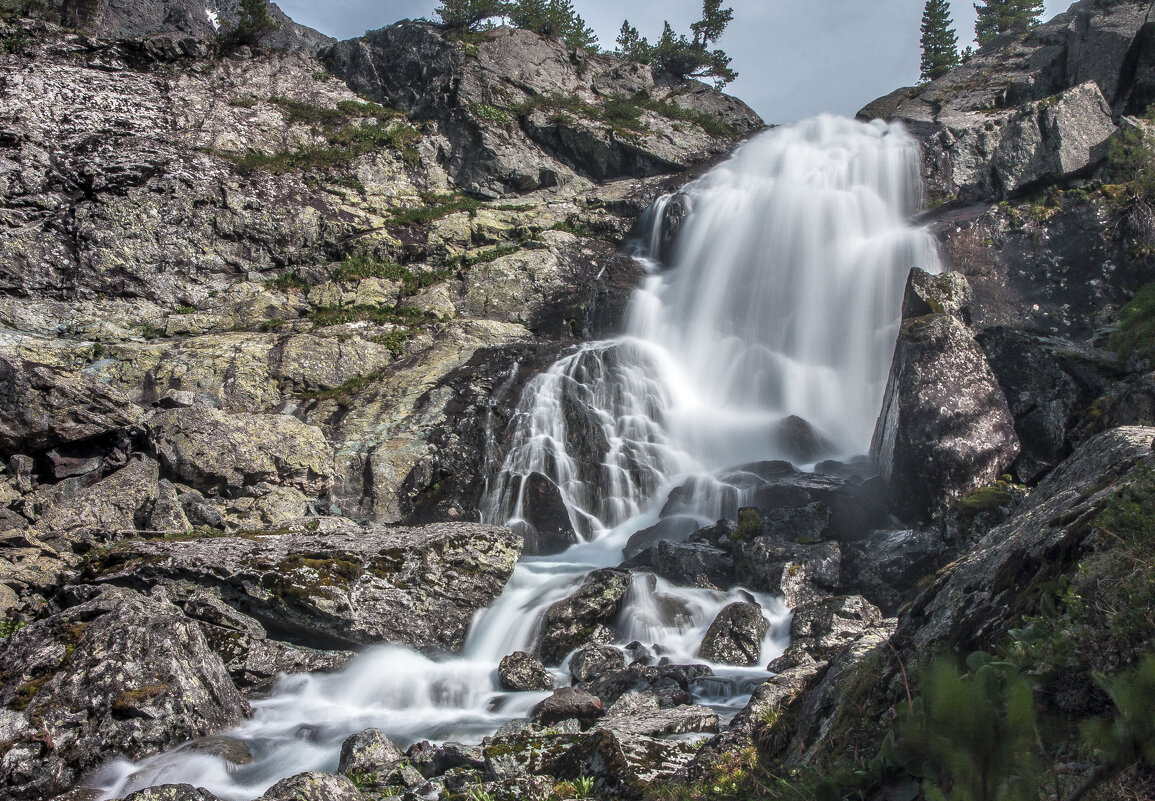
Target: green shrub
{"points": [[1136, 332], [1131, 160]]}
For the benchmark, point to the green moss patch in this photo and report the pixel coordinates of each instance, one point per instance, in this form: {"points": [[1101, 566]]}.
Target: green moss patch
{"points": [[1136, 332]]}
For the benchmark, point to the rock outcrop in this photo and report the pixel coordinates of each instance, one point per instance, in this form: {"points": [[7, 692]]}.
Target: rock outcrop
{"points": [[338, 588]]}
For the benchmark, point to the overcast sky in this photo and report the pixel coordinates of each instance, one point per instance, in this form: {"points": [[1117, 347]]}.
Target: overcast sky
{"points": [[795, 58]]}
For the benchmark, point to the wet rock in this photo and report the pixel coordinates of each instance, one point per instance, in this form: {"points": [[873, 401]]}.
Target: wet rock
{"points": [[693, 563], [735, 636], [437, 760], [42, 407], [366, 752], [798, 442], [594, 660], [338, 588], [520, 672], [888, 566], [1040, 394], [670, 684], [573, 622], [549, 530], [796, 571], [313, 786], [230, 749], [566, 703], [670, 529], [945, 429], [123, 673], [221, 453]]}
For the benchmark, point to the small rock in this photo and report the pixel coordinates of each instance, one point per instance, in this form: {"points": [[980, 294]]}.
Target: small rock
{"points": [[520, 672], [566, 703], [369, 751]]}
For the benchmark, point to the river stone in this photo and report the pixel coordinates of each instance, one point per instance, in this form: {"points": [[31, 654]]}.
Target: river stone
{"points": [[123, 673], [622, 765], [313, 786], [369, 751], [594, 660], [574, 622], [659, 722], [566, 703], [221, 453], [436, 760], [521, 672], [669, 529], [340, 588], [945, 429], [230, 749], [670, 684], [735, 636]]}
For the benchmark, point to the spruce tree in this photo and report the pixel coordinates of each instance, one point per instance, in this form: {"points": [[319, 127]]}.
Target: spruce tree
{"points": [[684, 57], [939, 42], [997, 17], [254, 23]]}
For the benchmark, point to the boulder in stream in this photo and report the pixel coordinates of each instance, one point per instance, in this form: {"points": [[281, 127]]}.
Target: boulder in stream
{"points": [[735, 636], [521, 672], [575, 621]]}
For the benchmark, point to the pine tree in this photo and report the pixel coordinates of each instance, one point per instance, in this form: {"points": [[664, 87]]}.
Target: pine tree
{"points": [[555, 18], [632, 45], [468, 14], [996, 17], [254, 23], [939, 42], [683, 57]]}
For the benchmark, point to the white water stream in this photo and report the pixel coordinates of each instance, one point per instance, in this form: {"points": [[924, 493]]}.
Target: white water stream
{"points": [[781, 300]]}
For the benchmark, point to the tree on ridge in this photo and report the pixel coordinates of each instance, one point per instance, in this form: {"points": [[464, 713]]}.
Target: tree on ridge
{"points": [[997, 17], [939, 41]]}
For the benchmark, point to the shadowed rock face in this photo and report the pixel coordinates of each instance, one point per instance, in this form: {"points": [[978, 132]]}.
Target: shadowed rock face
{"points": [[945, 429]]}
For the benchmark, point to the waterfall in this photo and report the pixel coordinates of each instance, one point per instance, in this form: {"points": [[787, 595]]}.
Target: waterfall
{"points": [[779, 305], [764, 330]]}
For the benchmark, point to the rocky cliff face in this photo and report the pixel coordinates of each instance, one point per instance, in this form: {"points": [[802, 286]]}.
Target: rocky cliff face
{"points": [[250, 302]]}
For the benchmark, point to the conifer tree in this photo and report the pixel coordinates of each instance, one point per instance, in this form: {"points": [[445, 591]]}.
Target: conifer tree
{"points": [[996, 17], [939, 42], [555, 18], [254, 23], [468, 14], [632, 45]]}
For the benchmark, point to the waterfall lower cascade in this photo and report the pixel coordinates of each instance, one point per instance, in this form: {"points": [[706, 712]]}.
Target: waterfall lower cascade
{"points": [[767, 333]]}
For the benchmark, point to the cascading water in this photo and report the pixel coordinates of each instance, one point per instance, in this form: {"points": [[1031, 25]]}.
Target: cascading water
{"points": [[780, 306]]}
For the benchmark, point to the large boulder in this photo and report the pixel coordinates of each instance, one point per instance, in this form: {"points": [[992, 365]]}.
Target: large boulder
{"points": [[122, 673], [313, 786], [344, 587], [547, 527], [819, 630], [221, 453], [116, 506], [583, 617], [945, 429], [566, 703], [978, 598], [735, 636], [43, 407], [368, 751]]}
